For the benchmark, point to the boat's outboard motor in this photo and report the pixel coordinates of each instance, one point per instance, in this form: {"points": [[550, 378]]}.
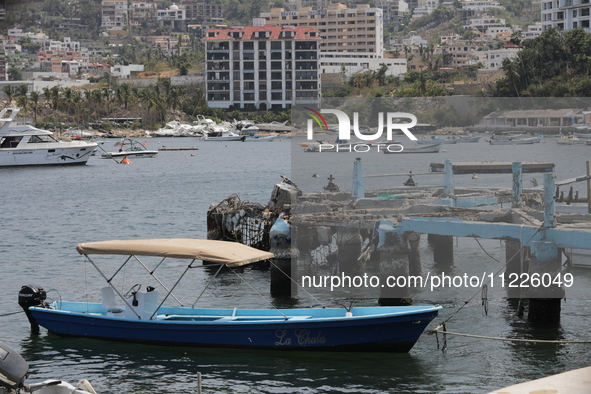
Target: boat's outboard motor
{"points": [[28, 296], [13, 371], [13, 368]]}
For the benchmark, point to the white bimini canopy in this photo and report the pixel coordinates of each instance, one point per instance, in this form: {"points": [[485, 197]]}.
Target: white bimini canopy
{"points": [[231, 254]]}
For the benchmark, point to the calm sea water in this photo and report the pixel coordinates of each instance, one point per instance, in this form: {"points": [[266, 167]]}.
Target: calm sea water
{"points": [[47, 211]]}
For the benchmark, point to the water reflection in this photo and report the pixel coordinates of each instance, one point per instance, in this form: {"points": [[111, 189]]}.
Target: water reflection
{"points": [[122, 367]]}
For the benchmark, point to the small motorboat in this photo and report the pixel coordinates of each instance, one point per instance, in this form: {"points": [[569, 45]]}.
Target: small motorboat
{"points": [[131, 149], [138, 315], [260, 138]]}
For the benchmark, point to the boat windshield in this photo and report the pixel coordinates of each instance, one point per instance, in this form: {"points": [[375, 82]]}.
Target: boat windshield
{"points": [[37, 139]]}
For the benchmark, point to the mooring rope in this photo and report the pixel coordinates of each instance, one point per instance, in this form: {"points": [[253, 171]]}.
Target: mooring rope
{"points": [[445, 332], [11, 313], [496, 273]]}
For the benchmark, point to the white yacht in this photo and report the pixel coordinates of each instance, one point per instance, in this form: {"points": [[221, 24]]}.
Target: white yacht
{"points": [[25, 145]]}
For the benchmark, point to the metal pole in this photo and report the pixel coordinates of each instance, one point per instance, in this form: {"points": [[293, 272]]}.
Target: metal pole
{"points": [[549, 208], [358, 189], [588, 189], [517, 184], [448, 180]]}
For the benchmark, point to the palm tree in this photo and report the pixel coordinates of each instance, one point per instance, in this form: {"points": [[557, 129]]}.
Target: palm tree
{"points": [[34, 97], [22, 90], [9, 92], [22, 102]]}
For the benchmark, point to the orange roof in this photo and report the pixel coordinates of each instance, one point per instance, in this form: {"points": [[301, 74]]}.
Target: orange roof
{"points": [[301, 33]]}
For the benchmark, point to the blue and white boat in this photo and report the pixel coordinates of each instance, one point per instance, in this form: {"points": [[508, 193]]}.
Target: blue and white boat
{"points": [[139, 316]]}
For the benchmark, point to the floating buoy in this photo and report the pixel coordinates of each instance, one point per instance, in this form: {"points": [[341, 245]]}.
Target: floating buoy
{"points": [[474, 176], [315, 175], [125, 160], [192, 154]]}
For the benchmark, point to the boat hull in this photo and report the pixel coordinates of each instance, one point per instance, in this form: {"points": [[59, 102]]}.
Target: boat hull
{"points": [[516, 141], [52, 154], [375, 329], [131, 155], [421, 149]]}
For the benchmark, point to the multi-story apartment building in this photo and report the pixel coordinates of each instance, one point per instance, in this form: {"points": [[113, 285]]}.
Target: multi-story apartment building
{"points": [[566, 14], [175, 17], [3, 66], [114, 15], [483, 23], [143, 11], [393, 10], [263, 66], [203, 11], [342, 29]]}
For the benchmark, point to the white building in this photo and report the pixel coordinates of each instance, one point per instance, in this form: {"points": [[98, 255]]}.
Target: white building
{"points": [[114, 15], [125, 71], [353, 63], [481, 5], [495, 57], [393, 10], [175, 17], [342, 29], [533, 31], [483, 23], [266, 67], [566, 14]]}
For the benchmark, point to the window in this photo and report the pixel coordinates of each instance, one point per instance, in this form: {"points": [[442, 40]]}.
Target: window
{"points": [[262, 75], [262, 65], [262, 45], [248, 96], [10, 142], [249, 65], [276, 45], [248, 46]]}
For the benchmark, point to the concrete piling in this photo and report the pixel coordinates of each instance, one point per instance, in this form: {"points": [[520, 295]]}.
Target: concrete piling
{"points": [[394, 261], [281, 267], [443, 250]]}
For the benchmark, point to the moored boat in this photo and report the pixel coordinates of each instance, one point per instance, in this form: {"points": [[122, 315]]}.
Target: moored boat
{"points": [[434, 148], [436, 140], [130, 148], [142, 317], [25, 145], [570, 140], [14, 371], [260, 138], [514, 139]]}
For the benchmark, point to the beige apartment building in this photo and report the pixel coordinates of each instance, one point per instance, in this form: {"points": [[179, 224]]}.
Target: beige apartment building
{"points": [[342, 29]]}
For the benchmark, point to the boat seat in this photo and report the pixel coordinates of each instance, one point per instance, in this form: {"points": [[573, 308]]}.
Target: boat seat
{"points": [[109, 301]]}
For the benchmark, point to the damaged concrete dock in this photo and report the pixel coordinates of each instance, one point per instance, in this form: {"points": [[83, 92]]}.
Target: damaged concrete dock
{"points": [[344, 231]]}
